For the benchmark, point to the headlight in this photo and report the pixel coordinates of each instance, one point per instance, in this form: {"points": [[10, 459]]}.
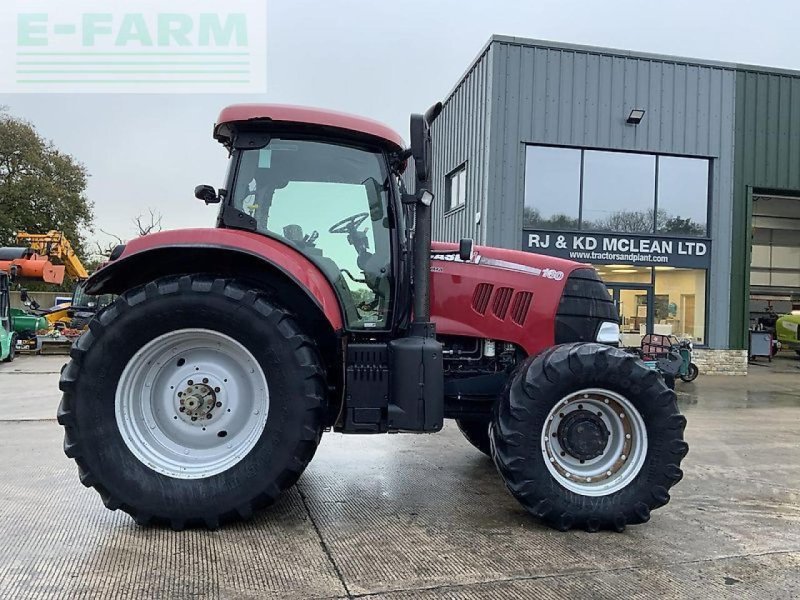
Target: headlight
{"points": [[608, 333]]}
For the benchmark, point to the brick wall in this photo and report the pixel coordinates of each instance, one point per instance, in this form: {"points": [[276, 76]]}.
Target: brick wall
{"points": [[720, 362]]}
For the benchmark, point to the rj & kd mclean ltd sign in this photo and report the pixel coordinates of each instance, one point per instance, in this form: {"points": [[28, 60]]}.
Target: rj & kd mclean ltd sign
{"points": [[609, 248]]}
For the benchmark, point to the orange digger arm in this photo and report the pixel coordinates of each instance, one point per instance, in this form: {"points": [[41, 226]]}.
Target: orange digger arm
{"points": [[34, 267], [53, 244]]}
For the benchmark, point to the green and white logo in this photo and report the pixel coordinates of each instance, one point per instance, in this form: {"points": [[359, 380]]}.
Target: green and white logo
{"points": [[133, 46]]}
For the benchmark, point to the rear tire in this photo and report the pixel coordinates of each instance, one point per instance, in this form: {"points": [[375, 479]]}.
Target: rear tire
{"points": [[476, 431], [169, 468], [578, 387]]}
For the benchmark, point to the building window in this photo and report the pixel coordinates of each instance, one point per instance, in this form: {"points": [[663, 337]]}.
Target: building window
{"points": [[682, 196], [552, 188], [677, 297], [618, 191], [682, 312], [624, 192], [456, 190]]}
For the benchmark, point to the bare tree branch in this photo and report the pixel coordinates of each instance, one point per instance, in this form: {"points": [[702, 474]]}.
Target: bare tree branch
{"points": [[146, 225]]}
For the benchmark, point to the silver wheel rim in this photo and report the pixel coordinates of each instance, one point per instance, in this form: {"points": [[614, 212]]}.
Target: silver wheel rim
{"points": [[192, 403], [624, 453]]}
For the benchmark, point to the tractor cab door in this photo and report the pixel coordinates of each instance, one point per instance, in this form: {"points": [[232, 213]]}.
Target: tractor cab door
{"points": [[331, 202]]}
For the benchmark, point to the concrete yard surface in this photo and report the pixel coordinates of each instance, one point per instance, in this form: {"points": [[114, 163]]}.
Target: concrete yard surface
{"points": [[416, 516]]}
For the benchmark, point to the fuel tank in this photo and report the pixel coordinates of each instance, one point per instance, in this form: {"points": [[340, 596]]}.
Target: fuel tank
{"points": [[531, 300]]}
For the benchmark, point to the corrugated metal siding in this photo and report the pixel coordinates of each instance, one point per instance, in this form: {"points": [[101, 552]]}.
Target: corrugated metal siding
{"points": [[767, 156], [582, 98], [460, 135]]}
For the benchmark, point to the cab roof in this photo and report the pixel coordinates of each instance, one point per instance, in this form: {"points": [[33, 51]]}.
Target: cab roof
{"points": [[302, 115]]}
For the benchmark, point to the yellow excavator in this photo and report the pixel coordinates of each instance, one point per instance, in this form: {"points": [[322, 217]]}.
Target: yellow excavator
{"points": [[54, 244]]}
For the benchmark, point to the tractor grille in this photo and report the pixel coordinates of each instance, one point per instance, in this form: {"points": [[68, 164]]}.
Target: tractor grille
{"points": [[480, 298], [502, 298], [520, 307]]}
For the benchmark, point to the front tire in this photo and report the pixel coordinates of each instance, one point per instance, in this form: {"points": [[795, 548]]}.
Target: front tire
{"points": [[192, 401], [691, 373], [587, 436]]}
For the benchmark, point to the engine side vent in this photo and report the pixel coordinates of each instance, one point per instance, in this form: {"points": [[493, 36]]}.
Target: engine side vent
{"points": [[480, 298], [502, 298], [520, 307]]}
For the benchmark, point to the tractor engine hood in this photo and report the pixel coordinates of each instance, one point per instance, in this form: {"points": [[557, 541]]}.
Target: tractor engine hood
{"points": [[527, 299]]}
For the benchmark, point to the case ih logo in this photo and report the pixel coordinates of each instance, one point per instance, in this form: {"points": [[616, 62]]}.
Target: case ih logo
{"points": [[133, 46]]}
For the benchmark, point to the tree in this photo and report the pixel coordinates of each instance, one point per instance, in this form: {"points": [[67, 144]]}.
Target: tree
{"points": [[145, 225], [41, 188], [532, 218], [150, 223]]}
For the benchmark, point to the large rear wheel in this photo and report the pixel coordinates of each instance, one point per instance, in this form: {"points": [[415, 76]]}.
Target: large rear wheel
{"points": [[588, 436], [192, 401]]}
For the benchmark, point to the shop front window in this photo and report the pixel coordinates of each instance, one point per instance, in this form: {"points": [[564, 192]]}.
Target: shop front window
{"points": [[618, 192], [552, 188], [682, 196], [680, 307], [661, 300], [569, 189]]}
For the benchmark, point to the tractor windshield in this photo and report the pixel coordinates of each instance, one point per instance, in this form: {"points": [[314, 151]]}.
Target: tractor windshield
{"points": [[330, 201]]}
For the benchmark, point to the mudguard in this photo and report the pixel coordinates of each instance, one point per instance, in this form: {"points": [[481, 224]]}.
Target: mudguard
{"points": [[197, 250]]}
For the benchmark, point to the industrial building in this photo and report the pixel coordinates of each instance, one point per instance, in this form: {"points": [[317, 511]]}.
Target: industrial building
{"points": [[679, 179]]}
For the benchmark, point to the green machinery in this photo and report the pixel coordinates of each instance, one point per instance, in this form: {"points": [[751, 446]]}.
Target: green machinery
{"points": [[787, 330], [8, 336]]}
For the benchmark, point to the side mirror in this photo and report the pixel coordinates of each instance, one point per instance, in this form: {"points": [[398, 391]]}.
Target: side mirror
{"points": [[420, 147], [207, 194], [465, 248]]}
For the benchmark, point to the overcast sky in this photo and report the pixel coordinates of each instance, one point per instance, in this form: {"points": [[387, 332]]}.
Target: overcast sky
{"points": [[375, 58]]}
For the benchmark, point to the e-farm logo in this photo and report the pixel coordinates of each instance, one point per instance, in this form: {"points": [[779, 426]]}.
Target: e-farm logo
{"points": [[133, 46]]}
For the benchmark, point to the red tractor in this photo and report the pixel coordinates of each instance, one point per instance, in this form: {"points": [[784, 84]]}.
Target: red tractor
{"points": [[319, 303]]}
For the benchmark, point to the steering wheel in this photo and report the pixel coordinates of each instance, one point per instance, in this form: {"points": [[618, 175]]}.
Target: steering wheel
{"points": [[349, 224]]}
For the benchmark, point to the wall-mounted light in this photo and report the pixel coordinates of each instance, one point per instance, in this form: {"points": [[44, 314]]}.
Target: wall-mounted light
{"points": [[635, 117]]}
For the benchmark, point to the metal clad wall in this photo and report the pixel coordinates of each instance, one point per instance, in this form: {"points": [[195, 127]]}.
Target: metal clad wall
{"points": [[460, 135], [579, 97], [767, 156]]}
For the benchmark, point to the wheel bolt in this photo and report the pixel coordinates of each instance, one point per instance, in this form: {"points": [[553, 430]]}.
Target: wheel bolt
{"points": [[194, 418], [205, 379], [216, 389], [190, 382], [180, 394], [219, 404], [209, 415], [182, 409]]}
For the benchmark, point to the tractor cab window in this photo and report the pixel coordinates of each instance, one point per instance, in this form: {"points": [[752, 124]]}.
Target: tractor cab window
{"points": [[330, 202]]}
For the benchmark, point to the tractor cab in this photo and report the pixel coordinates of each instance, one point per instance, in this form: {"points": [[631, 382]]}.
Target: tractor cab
{"points": [[326, 185]]}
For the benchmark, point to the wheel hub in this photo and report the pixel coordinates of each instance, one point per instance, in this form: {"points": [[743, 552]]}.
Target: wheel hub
{"points": [[583, 435], [197, 402]]}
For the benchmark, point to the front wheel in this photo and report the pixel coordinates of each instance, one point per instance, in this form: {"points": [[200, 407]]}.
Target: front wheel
{"points": [[587, 436], [691, 373], [192, 401]]}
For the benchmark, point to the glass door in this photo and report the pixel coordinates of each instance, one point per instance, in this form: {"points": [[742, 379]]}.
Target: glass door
{"points": [[635, 306]]}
